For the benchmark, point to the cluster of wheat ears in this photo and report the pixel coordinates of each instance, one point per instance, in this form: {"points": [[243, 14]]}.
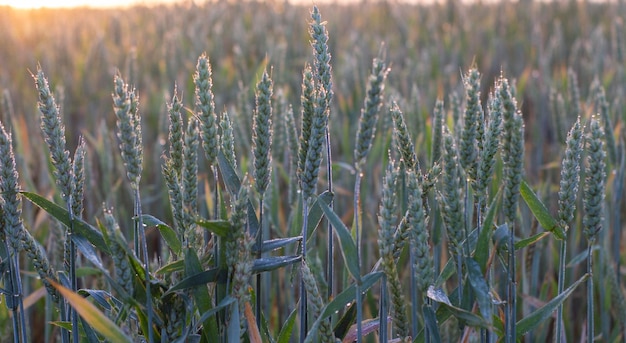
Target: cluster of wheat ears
{"points": [[210, 281]]}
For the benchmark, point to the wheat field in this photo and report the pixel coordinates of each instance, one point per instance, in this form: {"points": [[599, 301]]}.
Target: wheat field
{"points": [[276, 172]]}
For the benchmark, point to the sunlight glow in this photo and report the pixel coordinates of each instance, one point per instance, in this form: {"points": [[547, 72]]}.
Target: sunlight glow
{"points": [[32, 4]]}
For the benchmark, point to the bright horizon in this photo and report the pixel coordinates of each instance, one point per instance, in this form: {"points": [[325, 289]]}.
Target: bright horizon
{"points": [[35, 4]]}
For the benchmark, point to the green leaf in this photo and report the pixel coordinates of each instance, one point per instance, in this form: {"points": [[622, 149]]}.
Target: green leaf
{"points": [[482, 245], [581, 257], [316, 212], [168, 234], [480, 287], [232, 182], [344, 323], [88, 251], [222, 305], [234, 328], [448, 270], [462, 315], [195, 280], [540, 211], [229, 176], [100, 296], [80, 227], [90, 335], [218, 227], [274, 244], [531, 321], [193, 271], [346, 297], [430, 321], [270, 263], [171, 267], [522, 243], [347, 245], [287, 329], [94, 317]]}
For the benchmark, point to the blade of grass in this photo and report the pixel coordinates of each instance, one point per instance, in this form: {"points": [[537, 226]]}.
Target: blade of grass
{"points": [[347, 245], [531, 321], [540, 211], [94, 317]]}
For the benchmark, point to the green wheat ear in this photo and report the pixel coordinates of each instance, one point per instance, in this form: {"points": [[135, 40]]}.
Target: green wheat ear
{"points": [[262, 133], [473, 126], [175, 135], [125, 104], [419, 236], [438, 118], [316, 304], [206, 108], [307, 104], [593, 200], [9, 190], [54, 134], [594, 191], [402, 138], [512, 150], [570, 175], [386, 235], [124, 273], [451, 193], [486, 164], [228, 139], [190, 178], [370, 111]]}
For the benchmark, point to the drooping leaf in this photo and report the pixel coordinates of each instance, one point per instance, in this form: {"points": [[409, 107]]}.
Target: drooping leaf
{"points": [[80, 227], [531, 321], [438, 295], [540, 211], [100, 296], [94, 317], [88, 251], [346, 243], [168, 234], [462, 315]]}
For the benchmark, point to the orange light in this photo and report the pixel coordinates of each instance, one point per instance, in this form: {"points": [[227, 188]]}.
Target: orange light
{"points": [[32, 4]]}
